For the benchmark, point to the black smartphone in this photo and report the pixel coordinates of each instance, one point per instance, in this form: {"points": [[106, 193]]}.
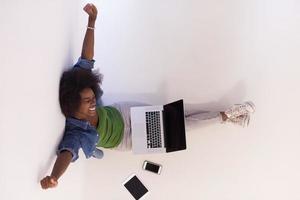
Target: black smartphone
{"points": [[152, 167]]}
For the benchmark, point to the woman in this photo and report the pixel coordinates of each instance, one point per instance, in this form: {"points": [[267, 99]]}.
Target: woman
{"points": [[85, 119]]}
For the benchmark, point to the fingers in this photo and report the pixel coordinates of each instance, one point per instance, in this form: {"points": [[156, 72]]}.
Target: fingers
{"points": [[90, 9], [48, 182], [53, 182], [87, 8]]}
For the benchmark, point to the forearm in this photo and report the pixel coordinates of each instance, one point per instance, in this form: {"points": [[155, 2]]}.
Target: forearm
{"points": [[61, 164], [88, 42]]}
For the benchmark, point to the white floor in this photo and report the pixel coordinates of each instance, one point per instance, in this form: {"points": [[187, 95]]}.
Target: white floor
{"points": [[211, 53]]}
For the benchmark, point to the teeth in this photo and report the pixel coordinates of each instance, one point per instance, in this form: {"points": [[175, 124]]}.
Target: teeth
{"points": [[92, 109]]}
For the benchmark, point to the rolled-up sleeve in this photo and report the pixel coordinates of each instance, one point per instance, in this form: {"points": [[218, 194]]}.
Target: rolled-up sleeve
{"points": [[71, 143], [85, 64]]}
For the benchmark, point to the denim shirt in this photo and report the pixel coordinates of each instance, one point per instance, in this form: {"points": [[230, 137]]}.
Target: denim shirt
{"points": [[80, 133]]}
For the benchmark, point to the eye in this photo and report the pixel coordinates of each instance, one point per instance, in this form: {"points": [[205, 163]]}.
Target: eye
{"points": [[91, 100]]}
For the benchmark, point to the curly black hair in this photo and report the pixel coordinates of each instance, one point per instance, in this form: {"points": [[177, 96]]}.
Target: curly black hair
{"points": [[72, 82]]}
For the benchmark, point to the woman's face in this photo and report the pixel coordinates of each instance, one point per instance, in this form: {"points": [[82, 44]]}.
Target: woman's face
{"points": [[87, 108]]}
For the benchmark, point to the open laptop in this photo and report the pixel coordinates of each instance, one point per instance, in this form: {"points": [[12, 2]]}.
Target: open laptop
{"points": [[158, 129]]}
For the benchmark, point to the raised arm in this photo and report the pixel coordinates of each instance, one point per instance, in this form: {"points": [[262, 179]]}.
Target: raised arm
{"points": [[61, 164], [65, 157], [88, 42]]}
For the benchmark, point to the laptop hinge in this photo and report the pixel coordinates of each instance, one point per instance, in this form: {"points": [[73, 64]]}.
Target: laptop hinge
{"points": [[164, 129]]}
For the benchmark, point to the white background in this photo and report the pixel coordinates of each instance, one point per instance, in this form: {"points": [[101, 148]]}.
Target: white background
{"points": [[214, 53]]}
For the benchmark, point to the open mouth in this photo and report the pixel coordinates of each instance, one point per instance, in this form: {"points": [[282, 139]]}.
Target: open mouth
{"points": [[92, 109]]}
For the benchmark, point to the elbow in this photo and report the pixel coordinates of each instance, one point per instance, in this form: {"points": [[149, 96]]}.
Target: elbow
{"points": [[66, 155]]}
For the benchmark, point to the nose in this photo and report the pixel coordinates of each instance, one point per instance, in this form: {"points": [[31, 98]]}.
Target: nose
{"points": [[94, 101]]}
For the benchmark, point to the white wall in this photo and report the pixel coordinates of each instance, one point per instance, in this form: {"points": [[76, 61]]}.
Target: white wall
{"points": [[214, 53], [38, 40]]}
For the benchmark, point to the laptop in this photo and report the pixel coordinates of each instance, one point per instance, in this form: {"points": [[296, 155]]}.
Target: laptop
{"points": [[158, 129]]}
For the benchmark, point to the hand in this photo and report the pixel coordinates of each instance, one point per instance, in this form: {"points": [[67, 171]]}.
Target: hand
{"points": [[91, 10], [49, 182]]}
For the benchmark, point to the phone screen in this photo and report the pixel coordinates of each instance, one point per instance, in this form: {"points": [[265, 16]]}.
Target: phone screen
{"points": [[151, 167], [136, 187]]}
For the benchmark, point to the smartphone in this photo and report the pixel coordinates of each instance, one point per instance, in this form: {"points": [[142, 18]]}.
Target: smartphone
{"points": [[152, 167], [135, 187]]}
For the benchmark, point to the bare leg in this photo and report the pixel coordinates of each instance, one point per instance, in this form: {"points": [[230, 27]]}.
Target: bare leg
{"points": [[238, 114], [197, 117]]}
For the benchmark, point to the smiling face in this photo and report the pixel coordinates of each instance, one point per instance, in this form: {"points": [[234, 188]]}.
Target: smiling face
{"points": [[87, 108]]}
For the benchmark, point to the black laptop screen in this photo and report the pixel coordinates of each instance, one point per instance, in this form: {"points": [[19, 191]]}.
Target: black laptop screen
{"points": [[174, 126]]}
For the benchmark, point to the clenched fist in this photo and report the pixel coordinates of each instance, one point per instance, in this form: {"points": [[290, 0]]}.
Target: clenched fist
{"points": [[91, 10], [48, 182]]}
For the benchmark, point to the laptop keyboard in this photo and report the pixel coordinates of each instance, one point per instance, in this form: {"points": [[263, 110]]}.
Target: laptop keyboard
{"points": [[153, 129]]}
